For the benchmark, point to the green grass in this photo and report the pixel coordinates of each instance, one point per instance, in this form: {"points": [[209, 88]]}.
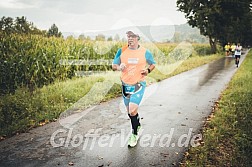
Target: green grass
{"points": [[227, 138], [21, 111]]}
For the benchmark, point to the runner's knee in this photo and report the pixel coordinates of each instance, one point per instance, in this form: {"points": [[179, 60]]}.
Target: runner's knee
{"points": [[133, 109], [133, 113]]}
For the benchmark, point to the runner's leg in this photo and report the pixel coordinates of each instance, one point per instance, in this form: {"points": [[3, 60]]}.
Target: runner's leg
{"points": [[135, 100]]}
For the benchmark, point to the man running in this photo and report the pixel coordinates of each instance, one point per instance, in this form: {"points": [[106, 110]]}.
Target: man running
{"points": [[131, 60], [227, 49], [233, 46], [237, 54]]}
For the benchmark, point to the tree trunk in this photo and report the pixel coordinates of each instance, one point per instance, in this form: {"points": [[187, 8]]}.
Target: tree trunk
{"points": [[213, 45]]}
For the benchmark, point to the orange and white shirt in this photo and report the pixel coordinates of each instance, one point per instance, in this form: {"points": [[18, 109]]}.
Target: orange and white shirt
{"points": [[135, 61]]}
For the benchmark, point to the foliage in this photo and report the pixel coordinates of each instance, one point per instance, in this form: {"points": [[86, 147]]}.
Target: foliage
{"points": [[34, 61], [81, 37], [100, 37], [221, 20], [54, 31], [20, 26]]}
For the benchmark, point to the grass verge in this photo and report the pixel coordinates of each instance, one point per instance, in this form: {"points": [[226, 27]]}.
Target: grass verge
{"points": [[227, 137]]}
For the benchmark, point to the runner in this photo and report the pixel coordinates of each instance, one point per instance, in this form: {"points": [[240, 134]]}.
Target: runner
{"points": [[227, 49], [237, 54], [233, 46], [131, 61]]}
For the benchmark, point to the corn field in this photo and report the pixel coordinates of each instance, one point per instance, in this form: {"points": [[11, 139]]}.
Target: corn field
{"points": [[34, 61]]}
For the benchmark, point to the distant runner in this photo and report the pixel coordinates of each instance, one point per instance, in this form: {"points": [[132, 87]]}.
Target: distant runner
{"points": [[233, 46], [237, 54], [227, 49]]}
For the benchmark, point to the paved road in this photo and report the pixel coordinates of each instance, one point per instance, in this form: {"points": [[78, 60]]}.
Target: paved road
{"points": [[172, 114]]}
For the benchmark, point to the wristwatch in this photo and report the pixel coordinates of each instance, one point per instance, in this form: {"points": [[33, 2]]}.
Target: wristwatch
{"points": [[149, 70]]}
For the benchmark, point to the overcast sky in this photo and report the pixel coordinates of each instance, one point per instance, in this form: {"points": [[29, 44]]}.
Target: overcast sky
{"points": [[91, 15]]}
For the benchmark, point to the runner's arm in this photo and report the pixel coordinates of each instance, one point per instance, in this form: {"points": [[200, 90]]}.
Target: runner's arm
{"points": [[117, 61], [150, 60]]}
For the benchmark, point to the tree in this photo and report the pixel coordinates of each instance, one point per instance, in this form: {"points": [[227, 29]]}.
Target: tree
{"points": [[22, 26], [81, 37], [249, 30], [110, 38], [54, 31], [202, 14], [239, 16], [7, 25], [220, 20], [100, 37]]}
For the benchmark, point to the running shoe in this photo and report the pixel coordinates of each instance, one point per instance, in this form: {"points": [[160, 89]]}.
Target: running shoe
{"points": [[133, 140]]}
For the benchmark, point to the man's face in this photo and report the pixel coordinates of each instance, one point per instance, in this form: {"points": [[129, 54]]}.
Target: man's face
{"points": [[132, 39]]}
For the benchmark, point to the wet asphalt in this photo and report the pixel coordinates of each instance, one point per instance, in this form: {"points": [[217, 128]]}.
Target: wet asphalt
{"points": [[172, 114]]}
